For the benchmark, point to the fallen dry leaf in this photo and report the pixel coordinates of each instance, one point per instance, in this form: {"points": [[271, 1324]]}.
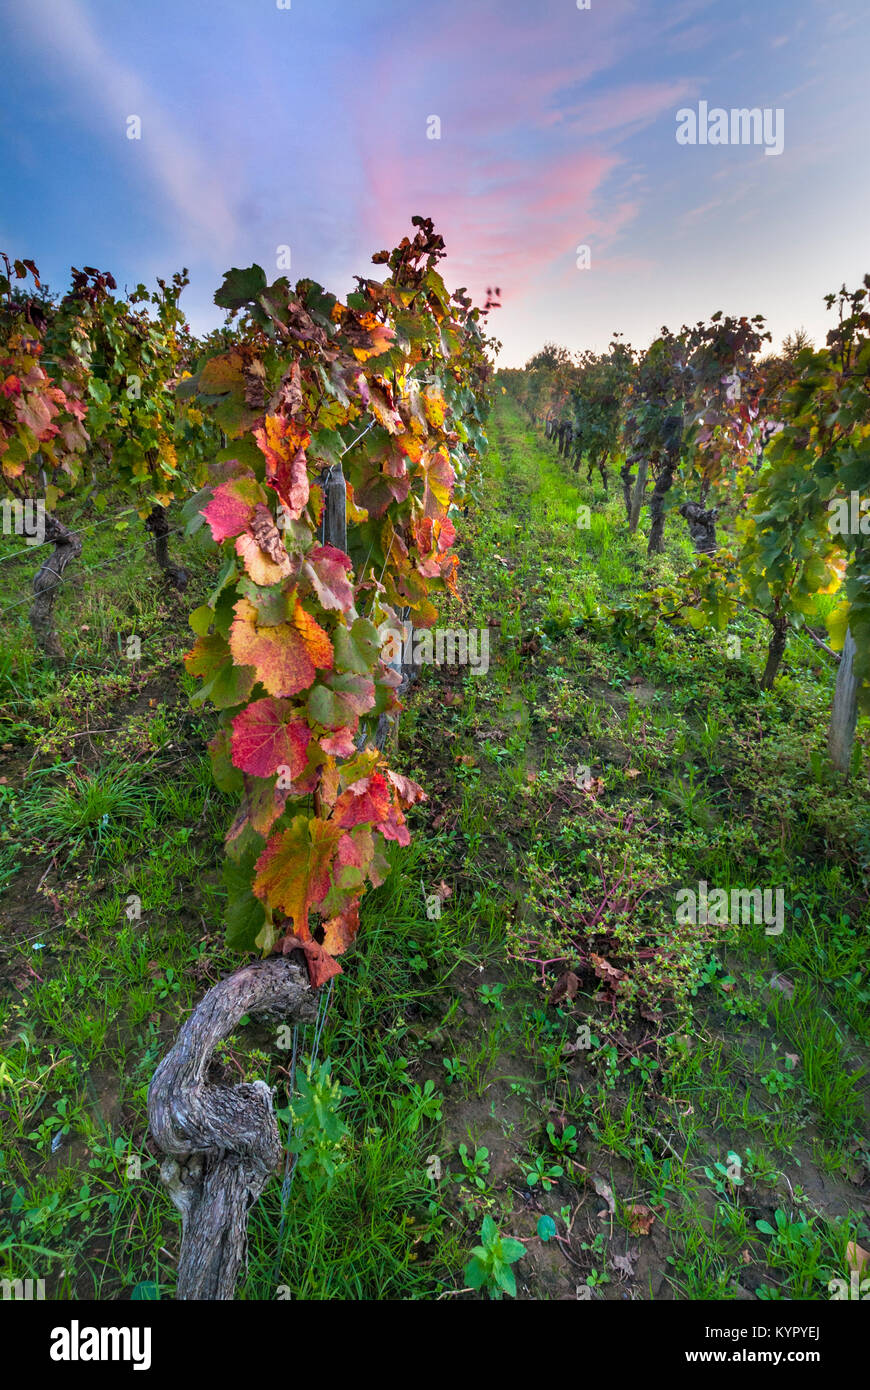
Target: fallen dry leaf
{"points": [[639, 1220], [625, 1263], [857, 1258], [605, 971], [594, 786], [566, 987], [632, 772], [444, 891], [606, 1191]]}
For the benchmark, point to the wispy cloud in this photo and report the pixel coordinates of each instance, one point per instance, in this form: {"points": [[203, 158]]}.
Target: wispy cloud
{"points": [[187, 186]]}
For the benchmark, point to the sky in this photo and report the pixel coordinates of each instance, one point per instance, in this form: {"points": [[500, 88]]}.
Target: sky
{"points": [[308, 124]]}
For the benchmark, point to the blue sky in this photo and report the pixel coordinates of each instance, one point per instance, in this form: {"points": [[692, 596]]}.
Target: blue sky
{"points": [[307, 127]]}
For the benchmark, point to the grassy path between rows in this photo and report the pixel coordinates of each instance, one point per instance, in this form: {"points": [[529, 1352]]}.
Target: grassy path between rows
{"points": [[524, 1031]]}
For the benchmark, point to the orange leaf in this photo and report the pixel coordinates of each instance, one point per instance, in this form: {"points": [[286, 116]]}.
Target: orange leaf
{"points": [[286, 655], [339, 931], [293, 872], [283, 443]]}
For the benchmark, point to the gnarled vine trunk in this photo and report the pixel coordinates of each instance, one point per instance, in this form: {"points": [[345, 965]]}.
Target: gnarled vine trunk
{"points": [[599, 461], [702, 526], [775, 652], [67, 546], [664, 483], [625, 474], [221, 1142], [158, 524]]}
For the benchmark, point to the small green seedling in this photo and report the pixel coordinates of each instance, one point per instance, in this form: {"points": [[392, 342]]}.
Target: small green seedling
{"points": [[490, 1264], [475, 1166]]}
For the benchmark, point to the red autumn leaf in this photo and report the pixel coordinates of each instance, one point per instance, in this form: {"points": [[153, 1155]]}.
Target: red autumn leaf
{"points": [[409, 792], [394, 827], [232, 505], [367, 800], [264, 739], [263, 802], [340, 744], [355, 851], [326, 570], [321, 966], [36, 413], [382, 407]]}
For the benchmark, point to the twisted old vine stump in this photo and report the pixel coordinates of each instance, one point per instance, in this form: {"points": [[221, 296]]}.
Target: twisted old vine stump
{"points": [[67, 546], [702, 526], [221, 1142], [157, 522]]}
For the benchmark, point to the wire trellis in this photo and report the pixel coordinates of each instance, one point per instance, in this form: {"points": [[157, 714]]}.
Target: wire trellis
{"points": [[81, 572], [78, 530]]}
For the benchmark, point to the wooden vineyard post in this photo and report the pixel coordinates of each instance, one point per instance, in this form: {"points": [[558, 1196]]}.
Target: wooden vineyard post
{"points": [[157, 523], [334, 507], [844, 714]]}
